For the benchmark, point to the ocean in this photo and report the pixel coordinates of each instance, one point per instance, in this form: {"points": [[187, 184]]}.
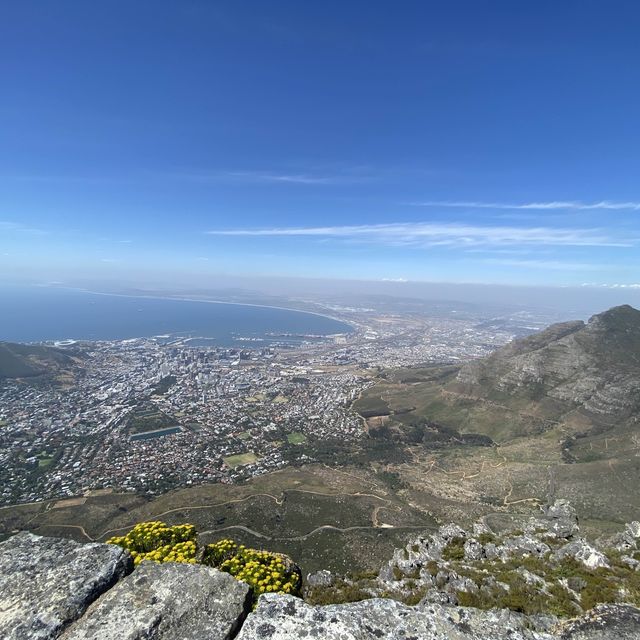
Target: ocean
{"points": [[41, 314]]}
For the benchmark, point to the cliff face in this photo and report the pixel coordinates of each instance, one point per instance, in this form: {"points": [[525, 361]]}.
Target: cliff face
{"points": [[51, 588]]}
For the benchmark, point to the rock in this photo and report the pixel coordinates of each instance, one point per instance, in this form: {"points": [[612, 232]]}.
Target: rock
{"points": [[632, 563], [450, 531], [560, 518], [320, 579], [167, 601], [287, 618], [472, 550], [633, 529], [47, 583], [582, 551], [605, 622], [433, 596], [490, 551], [627, 539], [522, 546]]}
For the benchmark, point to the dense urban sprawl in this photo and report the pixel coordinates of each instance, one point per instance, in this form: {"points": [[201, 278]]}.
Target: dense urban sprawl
{"points": [[149, 414]]}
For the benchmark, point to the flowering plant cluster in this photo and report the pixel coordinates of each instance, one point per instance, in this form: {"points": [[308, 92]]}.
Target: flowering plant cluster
{"points": [[265, 572], [159, 542]]}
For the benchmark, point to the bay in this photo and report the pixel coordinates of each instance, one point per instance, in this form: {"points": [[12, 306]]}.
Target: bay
{"points": [[40, 314]]}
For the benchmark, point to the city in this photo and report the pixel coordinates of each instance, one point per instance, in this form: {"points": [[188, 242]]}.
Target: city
{"points": [[148, 415]]}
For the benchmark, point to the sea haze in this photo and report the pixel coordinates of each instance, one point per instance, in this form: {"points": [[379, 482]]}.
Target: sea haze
{"points": [[39, 314]]}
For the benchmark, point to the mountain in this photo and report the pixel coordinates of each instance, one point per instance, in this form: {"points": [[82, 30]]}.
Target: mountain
{"points": [[581, 374], [580, 378], [557, 414], [25, 361]]}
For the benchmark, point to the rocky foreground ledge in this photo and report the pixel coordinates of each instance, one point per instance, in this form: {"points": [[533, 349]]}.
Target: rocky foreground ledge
{"points": [[53, 588]]}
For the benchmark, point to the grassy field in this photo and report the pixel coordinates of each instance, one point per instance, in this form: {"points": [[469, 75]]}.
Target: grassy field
{"points": [[530, 463], [240, 459], [325, 518], [147, 417], [296, 438]]}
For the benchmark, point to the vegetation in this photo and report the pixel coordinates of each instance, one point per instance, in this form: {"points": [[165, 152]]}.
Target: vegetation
{"points": [[241, 459], [454, 550], [160, 543], [164, 385], [296, 438], [342, 590], [566, 587], [147, 417], [263, 571]]}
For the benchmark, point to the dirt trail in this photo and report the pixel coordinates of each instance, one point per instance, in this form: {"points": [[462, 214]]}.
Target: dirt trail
{"points": [[278, 501]]}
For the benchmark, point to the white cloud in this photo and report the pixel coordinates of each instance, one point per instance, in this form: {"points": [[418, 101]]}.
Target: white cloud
{"points": [[552, 205], [266, 177], [612, 286], [18, 227], [441, 234]]}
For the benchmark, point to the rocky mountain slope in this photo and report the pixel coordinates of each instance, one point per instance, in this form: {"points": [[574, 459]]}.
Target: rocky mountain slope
{"points": [[52, 588], [589, 368]]}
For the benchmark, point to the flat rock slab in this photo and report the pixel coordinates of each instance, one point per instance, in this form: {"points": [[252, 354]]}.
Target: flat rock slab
{"points": [[167, 601], [605, 622], [285, 618], [46, 583]]}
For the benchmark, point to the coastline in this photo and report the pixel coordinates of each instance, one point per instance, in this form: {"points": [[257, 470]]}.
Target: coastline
{"points": [[205, 300], [345, 327]]}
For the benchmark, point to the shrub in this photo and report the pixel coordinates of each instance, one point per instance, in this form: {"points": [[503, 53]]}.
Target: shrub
{"points": [[159, 542], [265, 572], [454, 550]]}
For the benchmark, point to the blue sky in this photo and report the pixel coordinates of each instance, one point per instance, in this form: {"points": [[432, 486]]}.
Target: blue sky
{"points": [[493, 142]]}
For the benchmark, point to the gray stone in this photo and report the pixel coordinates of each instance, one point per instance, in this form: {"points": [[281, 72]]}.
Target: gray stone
{"points": [[633, 529], [582, 551], [490, 551], [561, 519], [166, 602], [322, 578], [46, 583], [605, 622], [287, 618], [472, 550], [521, 546]]}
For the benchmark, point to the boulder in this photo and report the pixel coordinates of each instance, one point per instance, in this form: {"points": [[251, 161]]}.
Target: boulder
{"points": [[605, 622], [321, 578], [166, 602], [47, 583], [560, 518], [287, 618], [582, 551]]}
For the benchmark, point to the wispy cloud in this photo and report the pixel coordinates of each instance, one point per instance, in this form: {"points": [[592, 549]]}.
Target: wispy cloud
{"points": [[269, 177], [553, 265], [18, 227], [540, 206], [434, 234], [612, 286], [293, 178]]}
